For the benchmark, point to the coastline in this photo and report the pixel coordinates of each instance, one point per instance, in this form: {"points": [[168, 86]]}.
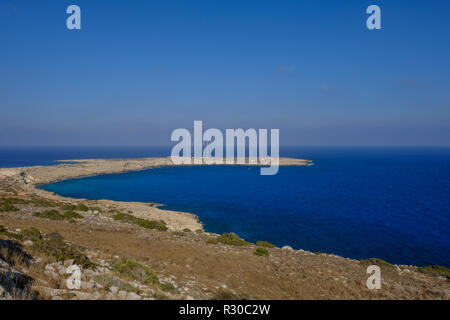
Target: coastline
{"points": [[199, 265], [26, 181]]}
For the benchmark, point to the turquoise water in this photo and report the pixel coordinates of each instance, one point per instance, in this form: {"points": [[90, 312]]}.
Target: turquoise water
{"points": [[359, 203]]}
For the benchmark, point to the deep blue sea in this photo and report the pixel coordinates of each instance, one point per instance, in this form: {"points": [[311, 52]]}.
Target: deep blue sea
{"points": [[391, 203]]}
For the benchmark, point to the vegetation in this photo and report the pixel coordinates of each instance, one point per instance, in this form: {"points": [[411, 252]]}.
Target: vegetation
{"points": [[31, 233], [225, 295], [231, 239], [377, 262], [49, 214], [187, 230], [178, 233], [6, 205], [72, 215], [73, 207], [56, 215], [261, 251], [136, 271], [108, 282], [55, 247], [265, 244], [168, 287], [43, 203], [159, 296], [6, 233], [436, 270], [148, 224]]}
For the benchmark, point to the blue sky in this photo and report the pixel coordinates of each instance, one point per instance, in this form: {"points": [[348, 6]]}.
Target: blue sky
{"points": [[139, 69]]}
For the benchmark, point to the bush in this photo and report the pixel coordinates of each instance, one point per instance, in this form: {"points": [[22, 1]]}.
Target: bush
{"points": [[265, 244], [168, 287], [43, 203], [148, 224], [225, 295], [72, 215], [49, 214], [436, 270], [6, 205], [261, 251], [81, 207], [230, 239], [377, 262], [4, 232], [68, 206], [54, 246], [73, 207], [55, 215], [31, 233], [13, 201], [136, 271], [108, 282], [187, 230], [178, 233]]}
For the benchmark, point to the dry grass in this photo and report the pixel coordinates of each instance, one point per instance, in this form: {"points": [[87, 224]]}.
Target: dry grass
{"points": [[206, 267]]}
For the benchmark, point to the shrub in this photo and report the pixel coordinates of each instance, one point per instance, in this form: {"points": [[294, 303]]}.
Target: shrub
{"points": [[73, 207], [72, 215], [6, 233], [31, 233], [376, 261], [168, 287], [230, 239], [81, 207], [225, 295], [7, 206], [49, 214], [136, 271], [68, 206], [178, 233], [108, 282], [148, 224], [43, 203], [436, 270], [13, 201], [261, 251], [55, 215], [265, 244], [187, 230], [54, 246]]}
